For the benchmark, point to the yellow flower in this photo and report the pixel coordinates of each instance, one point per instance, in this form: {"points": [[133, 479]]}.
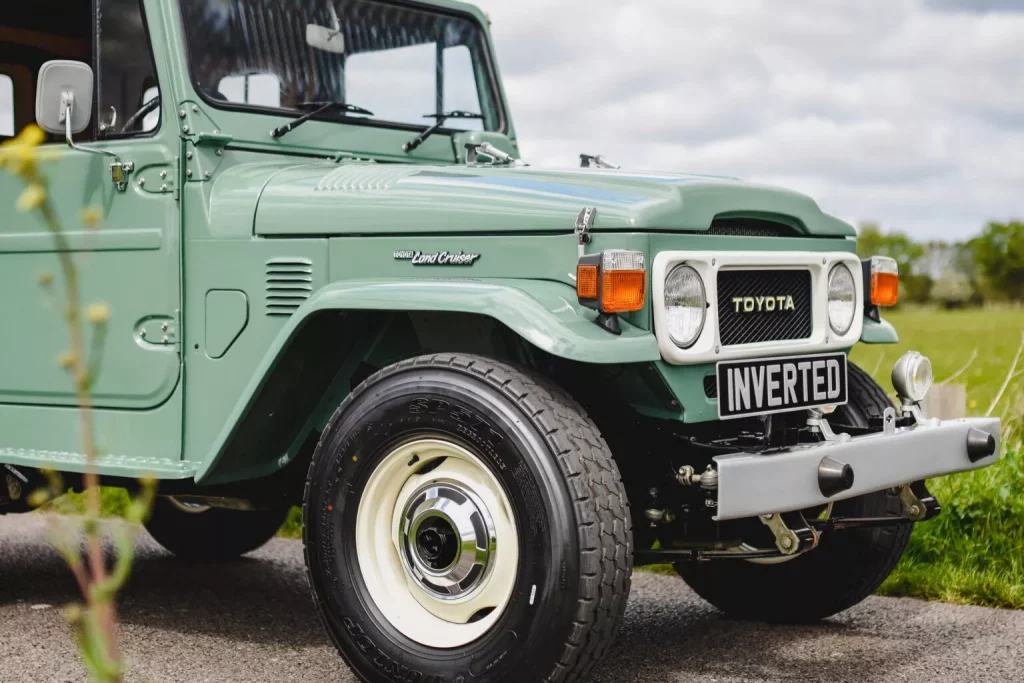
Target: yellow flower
{"points": [[97, 314], [32, 197], [91, 216], [66, 359], [19, 155]]}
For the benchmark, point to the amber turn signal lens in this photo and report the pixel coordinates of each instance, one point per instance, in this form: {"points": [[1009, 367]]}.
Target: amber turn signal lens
{"points": [[885, 289], [586, 281], [623, 290]]}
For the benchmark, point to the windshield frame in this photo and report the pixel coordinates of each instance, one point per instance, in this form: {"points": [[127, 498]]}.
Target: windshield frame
{"points": [[495, 89]]}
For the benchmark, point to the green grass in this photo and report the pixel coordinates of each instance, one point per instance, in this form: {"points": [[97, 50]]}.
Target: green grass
{"points": [[292, 527], [974, 551], [949, 339]]}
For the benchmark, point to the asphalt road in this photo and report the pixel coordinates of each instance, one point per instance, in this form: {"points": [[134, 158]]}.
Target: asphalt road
{"points": [[252, 620]]}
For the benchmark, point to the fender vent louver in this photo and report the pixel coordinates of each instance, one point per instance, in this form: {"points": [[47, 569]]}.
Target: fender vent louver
{"points": [[289, 283]]}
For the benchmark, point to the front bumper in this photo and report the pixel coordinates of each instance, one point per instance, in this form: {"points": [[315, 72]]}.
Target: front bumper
{"points": [[759, 484]]}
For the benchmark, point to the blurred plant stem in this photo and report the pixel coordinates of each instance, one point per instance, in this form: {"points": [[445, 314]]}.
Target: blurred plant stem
{"points": [[95, 623]]}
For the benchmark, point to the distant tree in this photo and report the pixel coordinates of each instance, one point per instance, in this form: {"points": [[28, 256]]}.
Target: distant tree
{"points": [[871, 241], [999, 253], [952, 290], [915, 280]]}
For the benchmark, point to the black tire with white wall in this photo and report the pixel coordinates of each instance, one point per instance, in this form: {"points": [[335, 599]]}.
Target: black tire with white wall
{"points": [[464, 520]]}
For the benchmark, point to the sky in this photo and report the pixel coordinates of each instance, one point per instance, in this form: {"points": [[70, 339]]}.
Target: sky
{"points": [[908, 113]]}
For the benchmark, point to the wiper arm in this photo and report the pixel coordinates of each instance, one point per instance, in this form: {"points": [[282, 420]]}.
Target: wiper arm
{"points": [[441, 118], [318, 108]]}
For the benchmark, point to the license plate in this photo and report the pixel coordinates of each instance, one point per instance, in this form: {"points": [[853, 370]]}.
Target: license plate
{"points": [[774, 385]]}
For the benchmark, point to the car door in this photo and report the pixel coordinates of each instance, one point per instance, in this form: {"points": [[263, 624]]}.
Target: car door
{"points": [[130, 259]]}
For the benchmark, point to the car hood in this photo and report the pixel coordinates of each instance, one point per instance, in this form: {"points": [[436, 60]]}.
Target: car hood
{"points": [[367, 198]]}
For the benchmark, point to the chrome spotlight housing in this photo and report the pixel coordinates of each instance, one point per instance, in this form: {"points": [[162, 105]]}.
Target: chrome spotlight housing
{"points": [[912, 377]]}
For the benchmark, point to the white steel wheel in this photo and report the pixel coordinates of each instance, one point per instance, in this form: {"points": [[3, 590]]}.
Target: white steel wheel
{"points": [[436, 543]]}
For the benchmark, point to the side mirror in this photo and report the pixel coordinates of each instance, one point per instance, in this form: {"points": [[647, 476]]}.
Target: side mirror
{"points": [[326, 39], [64, 105], [64, 97]]}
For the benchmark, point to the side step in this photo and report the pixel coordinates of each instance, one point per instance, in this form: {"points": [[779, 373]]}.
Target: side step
{"points": [[106, 465]]}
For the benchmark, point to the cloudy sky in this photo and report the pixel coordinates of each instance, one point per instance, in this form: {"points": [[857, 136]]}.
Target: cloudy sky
{"points": [[905, 112]]}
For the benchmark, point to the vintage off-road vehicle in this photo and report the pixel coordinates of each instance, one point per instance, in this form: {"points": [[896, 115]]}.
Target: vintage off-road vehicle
{"points": [[494, 389]]}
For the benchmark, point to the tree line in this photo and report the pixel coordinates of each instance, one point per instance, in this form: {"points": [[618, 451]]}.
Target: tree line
{"points": [[986, 268]]}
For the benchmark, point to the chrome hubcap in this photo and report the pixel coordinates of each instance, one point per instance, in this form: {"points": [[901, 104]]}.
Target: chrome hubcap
{"points": [[448, 539]]}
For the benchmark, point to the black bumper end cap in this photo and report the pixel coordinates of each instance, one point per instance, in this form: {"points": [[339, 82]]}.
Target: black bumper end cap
{"points": [[979, 444], [834, 477]]}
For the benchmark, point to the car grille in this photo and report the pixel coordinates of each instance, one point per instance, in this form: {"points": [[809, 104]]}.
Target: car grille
{"points": [[762, 325]]}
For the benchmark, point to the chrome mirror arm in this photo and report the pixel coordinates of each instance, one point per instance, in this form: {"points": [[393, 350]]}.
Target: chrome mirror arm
{"points": [[67, 106], [119, 170]]}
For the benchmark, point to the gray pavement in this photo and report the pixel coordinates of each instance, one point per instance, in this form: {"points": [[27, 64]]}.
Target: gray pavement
{"points": [[252, 620]]}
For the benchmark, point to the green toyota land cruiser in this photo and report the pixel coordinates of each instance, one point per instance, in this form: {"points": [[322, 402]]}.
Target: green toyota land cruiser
{"points": [[494, 389]]}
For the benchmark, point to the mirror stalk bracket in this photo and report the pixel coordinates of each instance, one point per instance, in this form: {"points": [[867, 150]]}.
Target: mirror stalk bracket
{"points": [[119, 170]]}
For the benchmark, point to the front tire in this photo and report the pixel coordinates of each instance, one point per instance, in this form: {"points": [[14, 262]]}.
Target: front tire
{"points": [[846, 567], [464, 520]]}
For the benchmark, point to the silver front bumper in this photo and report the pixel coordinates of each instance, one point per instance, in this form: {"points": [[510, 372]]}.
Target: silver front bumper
{"points": [[759, 484]]}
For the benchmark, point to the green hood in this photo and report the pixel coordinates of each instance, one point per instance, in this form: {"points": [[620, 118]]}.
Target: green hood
{"points": [[363, 198]]}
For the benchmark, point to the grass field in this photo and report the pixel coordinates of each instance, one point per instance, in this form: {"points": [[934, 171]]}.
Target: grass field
{"points": [[974, 551]]}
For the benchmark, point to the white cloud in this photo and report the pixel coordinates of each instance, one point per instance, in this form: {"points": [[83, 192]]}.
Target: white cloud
{"points": [[908, 112]]}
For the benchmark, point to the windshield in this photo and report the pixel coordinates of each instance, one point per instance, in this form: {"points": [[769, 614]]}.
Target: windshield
{"points": [[399, 62]]}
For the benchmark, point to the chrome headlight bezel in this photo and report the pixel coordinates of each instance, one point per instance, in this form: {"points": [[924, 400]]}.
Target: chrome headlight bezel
{"points": [[841, 277], [699, 302]]}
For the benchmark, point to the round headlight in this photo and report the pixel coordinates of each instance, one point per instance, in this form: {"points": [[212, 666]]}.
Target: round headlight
{"points": [[912, 376], [685, 305], [842, 299]]}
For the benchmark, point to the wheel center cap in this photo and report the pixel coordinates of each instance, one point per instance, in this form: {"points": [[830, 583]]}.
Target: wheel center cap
{"points": [[437, 543], [447, 539]]}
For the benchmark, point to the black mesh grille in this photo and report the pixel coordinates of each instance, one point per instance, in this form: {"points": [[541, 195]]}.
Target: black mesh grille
{"points": [[758, 323], [750, 227], [711, 386]]}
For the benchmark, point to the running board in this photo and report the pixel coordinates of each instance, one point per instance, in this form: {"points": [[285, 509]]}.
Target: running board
{"points": [[105, 465]]}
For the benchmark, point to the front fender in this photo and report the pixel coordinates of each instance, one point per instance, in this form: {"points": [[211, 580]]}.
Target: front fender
{"points": [[880, 332], [544, 313]]}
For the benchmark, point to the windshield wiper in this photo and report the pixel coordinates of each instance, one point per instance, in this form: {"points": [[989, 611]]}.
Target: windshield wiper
{"points": [[318, 108], [441, 118]]}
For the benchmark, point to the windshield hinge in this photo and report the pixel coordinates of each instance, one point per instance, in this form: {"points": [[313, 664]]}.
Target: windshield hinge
{"points": [[596, 160], [474, 150]]}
